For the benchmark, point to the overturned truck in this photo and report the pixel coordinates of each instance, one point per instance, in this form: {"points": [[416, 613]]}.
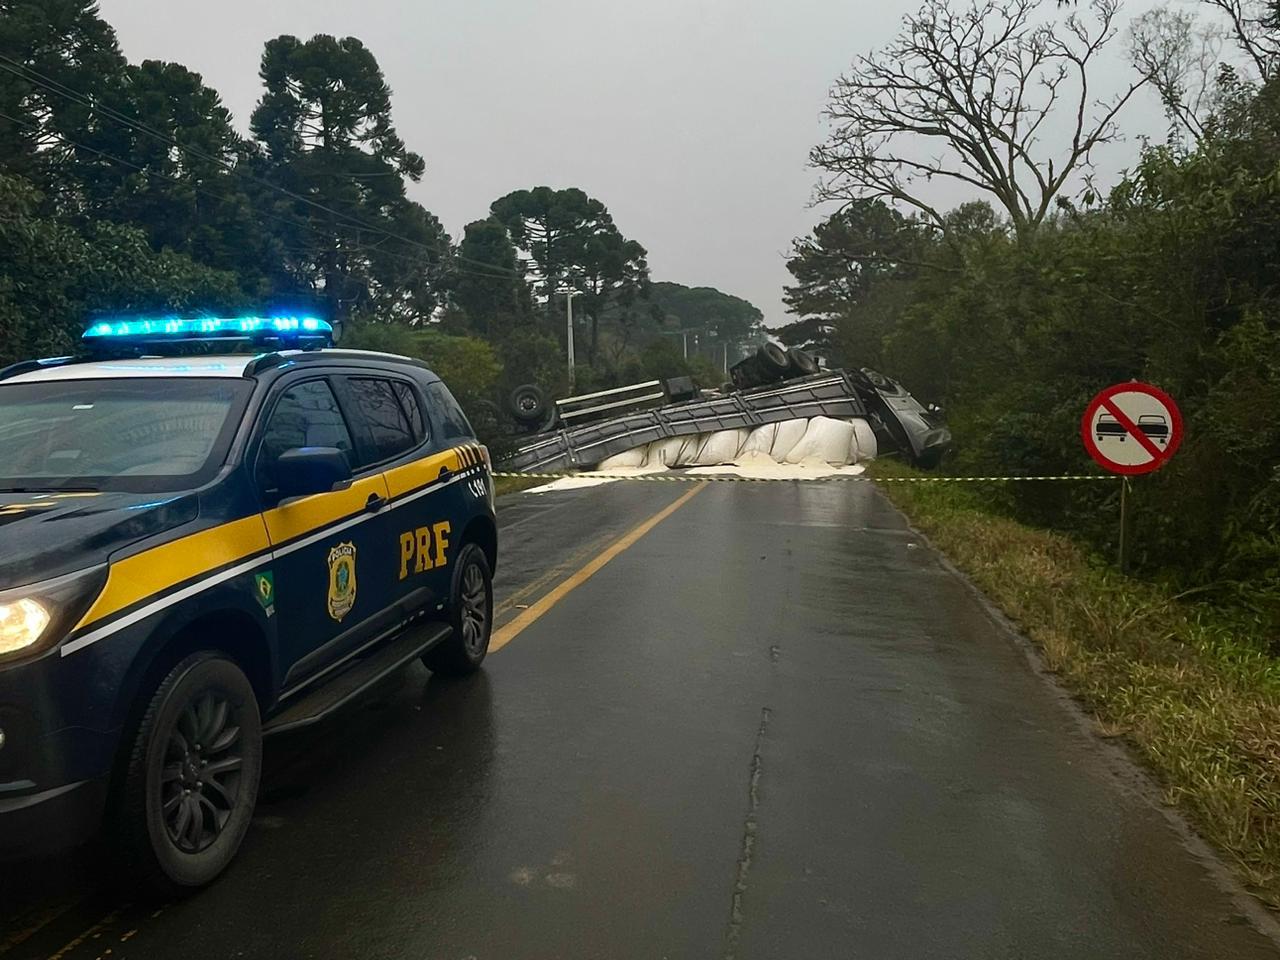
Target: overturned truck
{"points": [[592, 429]]}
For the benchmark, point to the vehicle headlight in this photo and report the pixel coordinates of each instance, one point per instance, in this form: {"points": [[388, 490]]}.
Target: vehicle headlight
{"points": [[22, 621]]}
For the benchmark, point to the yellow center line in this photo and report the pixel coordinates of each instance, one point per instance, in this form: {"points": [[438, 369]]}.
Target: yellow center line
{"points": [[505, 634], [35, 923], [517, 599]]}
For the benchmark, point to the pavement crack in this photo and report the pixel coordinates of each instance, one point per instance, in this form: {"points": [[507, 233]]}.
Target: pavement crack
{"points": [[750, 828]]}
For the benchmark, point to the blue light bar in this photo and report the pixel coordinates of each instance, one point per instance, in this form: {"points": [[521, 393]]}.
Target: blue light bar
{"points": [[209, 328]]}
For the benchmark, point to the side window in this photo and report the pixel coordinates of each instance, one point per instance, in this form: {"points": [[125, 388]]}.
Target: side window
{"points": [[453, 422], [409, 400], [306, 415], [390, 427]]}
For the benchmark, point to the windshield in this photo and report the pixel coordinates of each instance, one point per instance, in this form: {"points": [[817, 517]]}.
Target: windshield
{"points": [[137, 434]]}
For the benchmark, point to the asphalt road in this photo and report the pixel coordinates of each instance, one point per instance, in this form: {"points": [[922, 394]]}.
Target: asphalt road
{"points": [[773, 726]]}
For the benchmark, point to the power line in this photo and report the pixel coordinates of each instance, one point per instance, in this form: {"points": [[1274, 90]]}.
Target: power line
{"points": [[355, 248], [31, 75]]}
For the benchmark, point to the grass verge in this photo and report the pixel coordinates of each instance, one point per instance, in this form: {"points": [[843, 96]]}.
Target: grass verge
{"points": [[503, 485], [1189, 685]]}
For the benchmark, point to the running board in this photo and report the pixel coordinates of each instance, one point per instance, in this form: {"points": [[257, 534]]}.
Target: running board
{"points": [[358, 678]]}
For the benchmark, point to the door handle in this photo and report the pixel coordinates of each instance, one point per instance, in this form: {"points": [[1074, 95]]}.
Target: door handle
{"points": [[375, 502]]}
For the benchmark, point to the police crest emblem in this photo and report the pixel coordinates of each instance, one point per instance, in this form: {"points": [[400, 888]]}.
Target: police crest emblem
{"points": [[342, 580]]}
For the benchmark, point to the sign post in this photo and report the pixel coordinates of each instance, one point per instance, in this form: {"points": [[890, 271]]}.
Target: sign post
{"points": [[1131, 429]]}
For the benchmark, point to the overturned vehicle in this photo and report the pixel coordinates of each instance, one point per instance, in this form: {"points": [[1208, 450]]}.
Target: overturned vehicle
{"points": [[670, 423]]}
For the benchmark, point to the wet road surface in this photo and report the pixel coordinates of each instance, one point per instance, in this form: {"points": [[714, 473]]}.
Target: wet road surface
{"points": [[774, 726]]}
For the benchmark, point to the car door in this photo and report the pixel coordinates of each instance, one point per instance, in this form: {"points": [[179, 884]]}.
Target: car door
{"points": [[325, 555], [453, 503], [416, 533]]}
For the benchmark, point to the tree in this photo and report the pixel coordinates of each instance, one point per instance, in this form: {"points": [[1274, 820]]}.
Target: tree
{"points": [[54, 277], [968, 95], [1181, 58], [712, 318], [324, 125], [489, 286], [186, 184], [612, 273], [1253, 26], [53, 55], [548, 227], [571, 242], [836, 269]]}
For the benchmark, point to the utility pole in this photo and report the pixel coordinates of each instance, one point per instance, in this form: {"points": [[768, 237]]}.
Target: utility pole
{"points": [[568, 302], [684, 335]]}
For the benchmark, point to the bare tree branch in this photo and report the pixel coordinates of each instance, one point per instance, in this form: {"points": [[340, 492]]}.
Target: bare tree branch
{"points": [[1180, 57], [965, 93], [1253, 28]]}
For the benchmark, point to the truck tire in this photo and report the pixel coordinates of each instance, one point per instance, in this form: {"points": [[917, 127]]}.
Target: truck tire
{"points": [[772, 361], [528, 403], [802, 362], [190, 781], [470, 615]]}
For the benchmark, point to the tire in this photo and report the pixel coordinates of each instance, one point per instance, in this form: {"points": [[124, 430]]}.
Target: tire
{"points": [[772, 361], [802, 362], [528, 403], [470, 615], [878, 380], [204, 708]]}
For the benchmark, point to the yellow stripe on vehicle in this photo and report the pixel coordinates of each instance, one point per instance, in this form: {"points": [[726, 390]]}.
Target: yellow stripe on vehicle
{"points": [[152, 571], [413, 476], [302, 516]]}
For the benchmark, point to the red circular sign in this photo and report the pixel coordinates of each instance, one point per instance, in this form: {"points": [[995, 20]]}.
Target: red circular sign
{"points": [[1131, 428]]}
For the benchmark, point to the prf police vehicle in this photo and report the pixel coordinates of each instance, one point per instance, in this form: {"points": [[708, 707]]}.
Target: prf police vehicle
{"points": [[200, 550]]}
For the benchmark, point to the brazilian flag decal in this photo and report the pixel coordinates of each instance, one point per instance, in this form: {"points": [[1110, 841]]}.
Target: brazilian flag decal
{"points": [[266, 590]]}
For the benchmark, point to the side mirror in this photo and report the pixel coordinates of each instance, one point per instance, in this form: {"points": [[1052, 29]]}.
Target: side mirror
{"points": [[303, 471]]}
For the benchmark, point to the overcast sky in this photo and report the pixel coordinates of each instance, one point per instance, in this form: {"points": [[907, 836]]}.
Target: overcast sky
{"points": [[690, 119]]}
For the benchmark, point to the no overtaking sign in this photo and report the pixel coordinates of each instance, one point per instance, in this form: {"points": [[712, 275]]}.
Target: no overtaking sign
{"points": [[1131, 428]]}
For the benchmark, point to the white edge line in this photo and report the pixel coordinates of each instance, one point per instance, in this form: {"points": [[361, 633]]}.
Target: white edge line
{"points": [[143, 612]]}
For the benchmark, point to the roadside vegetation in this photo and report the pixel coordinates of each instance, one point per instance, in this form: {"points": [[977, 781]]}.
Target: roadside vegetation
{"points": [[1191, 685], [1011, 311]]}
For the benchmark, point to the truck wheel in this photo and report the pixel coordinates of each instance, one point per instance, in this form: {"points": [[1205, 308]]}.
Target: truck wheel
{"points": [[802, 362], [470, 615], [528, 403], [191, 781], [772, 361]]}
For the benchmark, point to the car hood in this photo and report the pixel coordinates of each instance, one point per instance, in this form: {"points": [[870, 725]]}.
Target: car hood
{"points": [[44, 535]]}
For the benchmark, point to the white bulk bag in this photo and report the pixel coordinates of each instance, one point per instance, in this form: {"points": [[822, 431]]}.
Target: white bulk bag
{"points": [[722, 446], [787, 436], [825, 439], [628, 458], [864, 442], [760, 440], [664, 453]]}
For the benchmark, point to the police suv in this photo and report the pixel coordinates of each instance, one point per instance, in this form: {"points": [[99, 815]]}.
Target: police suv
{"points": [[200, 550]]}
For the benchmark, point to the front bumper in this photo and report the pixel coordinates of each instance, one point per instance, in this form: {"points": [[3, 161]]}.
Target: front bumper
{"points": [[55, 819]]}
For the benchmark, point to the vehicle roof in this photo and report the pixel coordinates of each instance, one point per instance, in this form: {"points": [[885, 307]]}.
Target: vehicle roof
{"points": [[204, 365]]}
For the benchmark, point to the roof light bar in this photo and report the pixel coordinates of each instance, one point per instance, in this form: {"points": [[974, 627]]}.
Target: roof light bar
{"points": [[299, 330]]}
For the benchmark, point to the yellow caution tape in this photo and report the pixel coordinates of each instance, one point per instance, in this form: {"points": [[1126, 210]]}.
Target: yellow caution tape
{"points": [[700, 478]]}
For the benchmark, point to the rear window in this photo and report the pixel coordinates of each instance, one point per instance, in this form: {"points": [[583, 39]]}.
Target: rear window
{"points": [[446, 412], [388, 409]]}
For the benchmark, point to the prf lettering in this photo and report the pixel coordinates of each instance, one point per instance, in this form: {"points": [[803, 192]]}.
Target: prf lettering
{"points": [[415, 547]]}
